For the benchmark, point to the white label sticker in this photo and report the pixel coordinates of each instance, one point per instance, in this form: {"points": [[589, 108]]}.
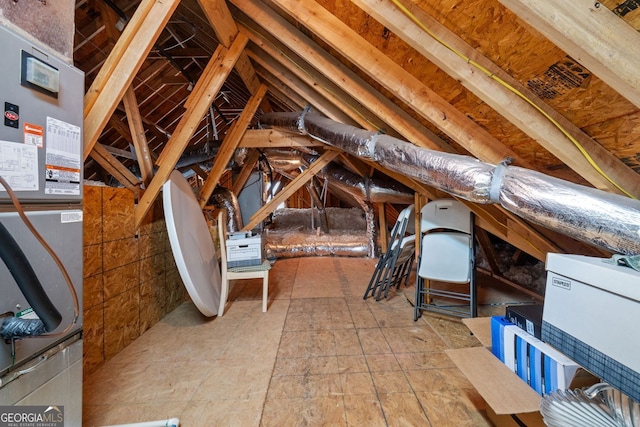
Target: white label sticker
{"points": [[71, 216], [529, 326], [561, 283], [19, 166]]}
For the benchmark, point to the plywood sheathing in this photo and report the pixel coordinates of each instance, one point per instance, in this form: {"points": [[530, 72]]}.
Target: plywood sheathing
{"points": [[530, 58]]}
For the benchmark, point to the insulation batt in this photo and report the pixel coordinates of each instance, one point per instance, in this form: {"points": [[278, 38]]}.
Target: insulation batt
{"points": [[590, 215]]}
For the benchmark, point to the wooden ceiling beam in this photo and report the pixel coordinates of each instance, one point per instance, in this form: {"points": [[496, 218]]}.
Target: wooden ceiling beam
{"points": [[230, 144], [110, 164], [500, 91], [138, 135], [265, 20], [488, 250], [356, 165], [395, 79], [245, 172], [303, 88], [289, 100], [121, 128], [207, 86], [198, 170], [119, 152], [592, 35], [223, 24], [272, 138], [300, 77], [226, 31], [291, 188], [156, 130], [122, 65]]}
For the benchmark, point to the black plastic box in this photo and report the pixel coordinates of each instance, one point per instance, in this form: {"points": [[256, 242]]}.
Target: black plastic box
{"points": [[526, 317]]}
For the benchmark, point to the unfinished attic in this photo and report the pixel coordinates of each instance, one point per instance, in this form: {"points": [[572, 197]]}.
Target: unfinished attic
{"points": [[320, 212]]}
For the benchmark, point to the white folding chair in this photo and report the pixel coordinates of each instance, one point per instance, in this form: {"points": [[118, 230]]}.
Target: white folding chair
{"points": [[385, 270], [446, 255], [236, 273]]}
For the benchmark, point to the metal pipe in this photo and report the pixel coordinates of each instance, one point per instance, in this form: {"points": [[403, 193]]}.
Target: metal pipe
{"points": [[224, 198], [596, 217], [358, 191]]}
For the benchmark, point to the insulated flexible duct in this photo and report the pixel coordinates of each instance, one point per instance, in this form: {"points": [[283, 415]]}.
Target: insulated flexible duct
{"points": [[374, 190], [225, 199], [593, 216], [347, 185], [28, 282]]}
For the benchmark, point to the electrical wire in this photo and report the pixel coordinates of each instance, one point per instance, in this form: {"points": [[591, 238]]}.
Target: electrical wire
{"points": [[54, 256], [499, 80]]}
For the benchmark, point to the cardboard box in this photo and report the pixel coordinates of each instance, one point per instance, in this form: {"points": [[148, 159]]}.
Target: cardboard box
{"points": [[538, 364], [591, 309], [508, 398], [245, 251]]}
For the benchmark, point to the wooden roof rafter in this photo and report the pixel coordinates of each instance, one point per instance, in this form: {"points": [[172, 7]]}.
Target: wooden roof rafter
{"points": [[303, 90], [122, 65], [340, 75], [207, 87], [505, 94], [592, 34]]}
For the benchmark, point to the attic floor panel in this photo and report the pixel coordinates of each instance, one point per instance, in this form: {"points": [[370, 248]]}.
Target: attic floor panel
{"points": [[321, 355]]}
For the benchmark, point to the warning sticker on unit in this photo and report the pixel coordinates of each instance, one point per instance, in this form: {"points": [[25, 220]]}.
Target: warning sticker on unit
{"points": [[34, 135], [63, 158], [19, 166]]}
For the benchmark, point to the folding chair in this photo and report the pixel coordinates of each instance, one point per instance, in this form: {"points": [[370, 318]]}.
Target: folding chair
{"points": [[398, 266], [446, 255], [385, 269]]}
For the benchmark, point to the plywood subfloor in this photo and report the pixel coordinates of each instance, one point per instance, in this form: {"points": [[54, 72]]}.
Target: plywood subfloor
{"points": [[321, 355]]}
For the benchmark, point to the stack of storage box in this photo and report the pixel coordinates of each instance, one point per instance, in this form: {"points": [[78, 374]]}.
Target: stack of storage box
{"points": [[544, 368], [243, 249]]}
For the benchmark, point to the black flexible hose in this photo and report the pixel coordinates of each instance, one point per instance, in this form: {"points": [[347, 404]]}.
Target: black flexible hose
{"points": [[14, 328], [27, 281]]}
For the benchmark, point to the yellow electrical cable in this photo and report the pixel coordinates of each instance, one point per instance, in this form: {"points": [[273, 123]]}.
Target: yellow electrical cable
{"points": [[480, 67], [374, 126], [406, 11]]}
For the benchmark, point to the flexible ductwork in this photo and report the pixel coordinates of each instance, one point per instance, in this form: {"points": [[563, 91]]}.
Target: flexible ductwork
{"points": [[291, 237], [225, 199], [348, 186], [593, 216], [373, 190], [206, 153]]}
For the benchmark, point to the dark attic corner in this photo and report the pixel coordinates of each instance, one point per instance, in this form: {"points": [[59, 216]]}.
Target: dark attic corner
{"points": [[275, 212]]}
